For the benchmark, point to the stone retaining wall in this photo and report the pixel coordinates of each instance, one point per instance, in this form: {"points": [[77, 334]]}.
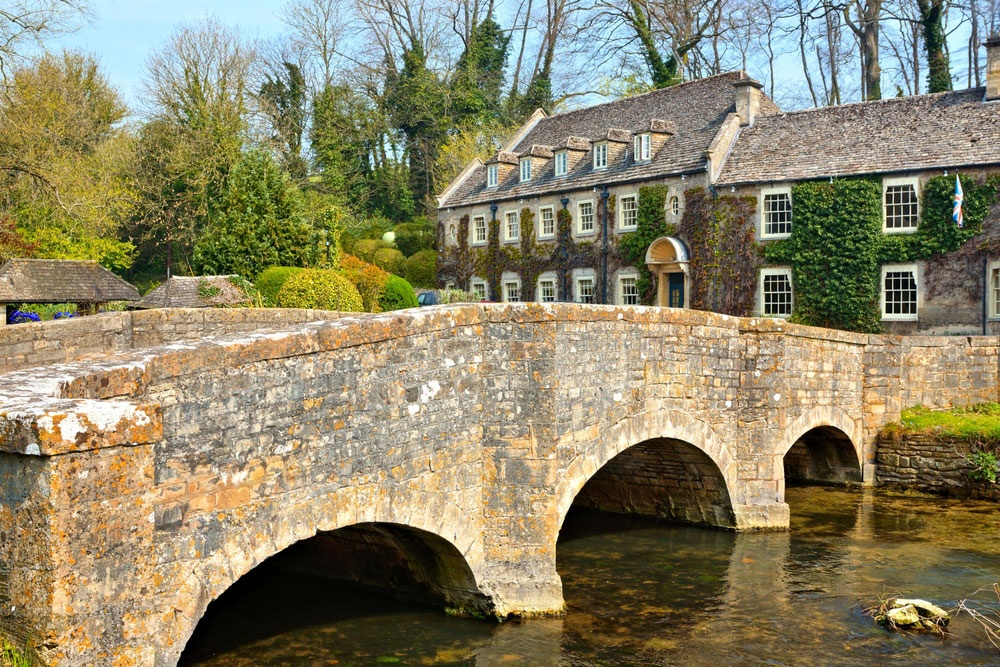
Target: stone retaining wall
{"points": [[72, 339], [930, 464]]}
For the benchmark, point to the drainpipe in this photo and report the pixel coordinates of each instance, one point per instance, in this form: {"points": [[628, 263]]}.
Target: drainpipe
{"points": [[490, 289], [604, 247], [564, 258]]}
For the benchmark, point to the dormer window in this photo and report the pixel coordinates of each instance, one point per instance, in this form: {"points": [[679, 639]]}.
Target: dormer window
{"points": [[561, 163], [642, 147], [525, 164], [492, 176], [601, 155]]}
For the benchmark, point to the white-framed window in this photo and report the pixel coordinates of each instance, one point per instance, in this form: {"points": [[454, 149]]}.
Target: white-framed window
{"points": [[547, 290], [512, 290], [585, 217], [993, 290], [480, 288], [628, 209], [774, 293], [492, 175], [449, 285], [525, 165], [479, 230], [562, 162], [899, 292], [601, 155], [628, 290], [546, 222], [641, 147], [511, 226], [775, 213], [900, 205], [675, 205], [584, 292]]}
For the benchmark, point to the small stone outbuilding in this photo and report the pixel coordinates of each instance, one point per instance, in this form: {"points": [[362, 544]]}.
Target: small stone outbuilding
{"points": [[196, 292], [82, 282]]}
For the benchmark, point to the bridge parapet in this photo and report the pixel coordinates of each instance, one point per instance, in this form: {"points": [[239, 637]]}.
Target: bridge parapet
{"points": [[141, 485]]}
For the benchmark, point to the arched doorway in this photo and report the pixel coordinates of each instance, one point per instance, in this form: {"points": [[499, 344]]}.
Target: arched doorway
{"points": [[668, 259]]}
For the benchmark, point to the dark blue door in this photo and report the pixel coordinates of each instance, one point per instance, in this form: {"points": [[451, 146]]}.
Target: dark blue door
{"points": [[675, 290]]}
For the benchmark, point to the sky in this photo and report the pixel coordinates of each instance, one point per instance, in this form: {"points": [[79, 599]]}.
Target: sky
{"points": [[123, 33]]}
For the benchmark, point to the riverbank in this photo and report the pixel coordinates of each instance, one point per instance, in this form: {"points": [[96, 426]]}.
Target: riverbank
{"points": [[944, 452]]}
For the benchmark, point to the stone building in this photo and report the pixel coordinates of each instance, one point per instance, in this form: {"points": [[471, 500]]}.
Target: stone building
{"points": [[548, 217]]}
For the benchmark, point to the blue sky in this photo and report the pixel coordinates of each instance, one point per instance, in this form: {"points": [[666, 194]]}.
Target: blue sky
{"points": [[122, 33]]}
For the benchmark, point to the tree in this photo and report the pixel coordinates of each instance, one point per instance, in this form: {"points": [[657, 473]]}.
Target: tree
{"points": [[283, 95], [65, 160], [33, 21], [476, 88], [257, 222], [866, 29], [932, 14]]}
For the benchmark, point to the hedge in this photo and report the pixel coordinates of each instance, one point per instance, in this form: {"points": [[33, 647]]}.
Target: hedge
{"points": [[323, 289]]}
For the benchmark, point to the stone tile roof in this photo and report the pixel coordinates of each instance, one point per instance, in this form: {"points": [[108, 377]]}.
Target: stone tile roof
{"points": [[195, 292], [694, 111], [937, 131], [61, 281]]}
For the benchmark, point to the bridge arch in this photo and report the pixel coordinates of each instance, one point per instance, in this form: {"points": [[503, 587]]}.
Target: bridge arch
{"points": [[637, 431], [824, 445], [411, 557]]}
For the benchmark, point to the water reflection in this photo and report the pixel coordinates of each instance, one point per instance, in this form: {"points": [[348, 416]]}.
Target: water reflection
{"points": [[641, 593]]}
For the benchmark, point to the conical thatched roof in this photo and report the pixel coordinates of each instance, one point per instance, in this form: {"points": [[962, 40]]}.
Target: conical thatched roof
{"points": [[61, 281], [195, 292]]}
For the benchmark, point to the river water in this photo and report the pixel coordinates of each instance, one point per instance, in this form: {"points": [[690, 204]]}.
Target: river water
{"points": [[640, 592]]}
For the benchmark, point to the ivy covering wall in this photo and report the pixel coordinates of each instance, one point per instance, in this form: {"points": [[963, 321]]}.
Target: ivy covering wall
{"points": [[719, 232], [837, 246], [651, 224]]}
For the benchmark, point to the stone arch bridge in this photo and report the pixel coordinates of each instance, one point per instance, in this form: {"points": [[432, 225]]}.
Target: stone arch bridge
{"points": [[150, 460]]}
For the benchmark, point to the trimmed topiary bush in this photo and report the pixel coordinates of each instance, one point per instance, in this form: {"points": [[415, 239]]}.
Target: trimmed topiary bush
{"points": [[390, 260], [367, 278], [365, 249], [421, 269], [270, 281], [398, 294], [323, 289]]}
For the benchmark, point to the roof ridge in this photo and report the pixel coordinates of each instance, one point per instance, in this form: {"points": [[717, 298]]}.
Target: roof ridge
{"points": [[872, 103]]}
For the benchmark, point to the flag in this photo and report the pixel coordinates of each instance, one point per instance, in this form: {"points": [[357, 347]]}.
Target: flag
{"points": [[956, 211]]}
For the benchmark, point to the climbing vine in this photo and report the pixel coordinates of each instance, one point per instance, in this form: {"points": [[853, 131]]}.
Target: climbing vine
{"points": [[651, 224], [837, 245], [724, 257]]}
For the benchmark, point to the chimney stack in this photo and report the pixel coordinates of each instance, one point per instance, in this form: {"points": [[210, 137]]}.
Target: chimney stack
{"points": [[747, 100], [993, 68]]}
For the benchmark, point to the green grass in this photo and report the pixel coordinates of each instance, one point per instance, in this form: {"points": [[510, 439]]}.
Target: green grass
{"points": [[11, 656], [980, 422]]}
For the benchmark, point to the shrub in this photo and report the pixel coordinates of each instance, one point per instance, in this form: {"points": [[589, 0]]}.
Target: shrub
{"points": [[397, 294], [389, 259], [421, 269], [984, 466], [367, 278], [457, 296], [319, 288], [412, 238], [270, 281], [365, 249]]}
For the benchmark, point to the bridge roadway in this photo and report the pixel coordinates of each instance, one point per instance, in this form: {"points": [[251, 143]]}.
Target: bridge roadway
{"points": [[434, 451]]}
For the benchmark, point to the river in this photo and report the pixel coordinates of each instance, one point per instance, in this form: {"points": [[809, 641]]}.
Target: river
{"points": [[640, 592]]}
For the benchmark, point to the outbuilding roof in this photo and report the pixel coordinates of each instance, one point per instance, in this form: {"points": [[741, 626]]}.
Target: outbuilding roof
{"points": [[195, 292], [936, 131], [693, 112], [61, 281]]}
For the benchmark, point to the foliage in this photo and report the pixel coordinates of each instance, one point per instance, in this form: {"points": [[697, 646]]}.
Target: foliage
{"points": [[651, 224], [476, 87], [369, 280], [834, 253], [397, 295], [258, 223], [456, 296], [412, 237], [720, 234], [270, 281], [389, 259], [985, 466], [421, 268], [322, 289], [49, 311], [365, 249], [283, 94], [11, 656]]}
